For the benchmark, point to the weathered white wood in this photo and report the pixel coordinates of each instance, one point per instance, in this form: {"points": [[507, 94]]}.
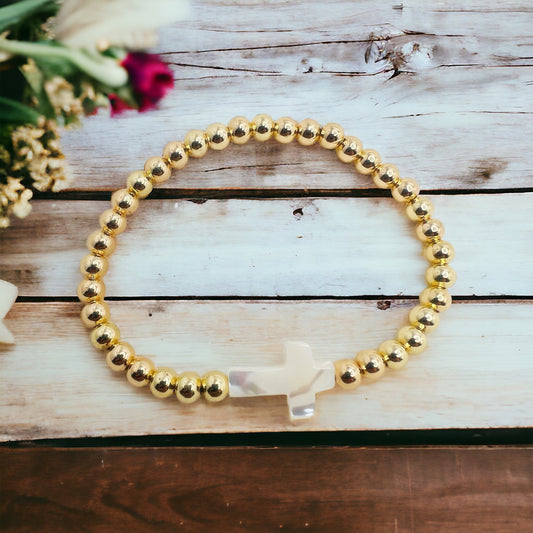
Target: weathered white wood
{"points": [[477, 371], [288, 247], [457, 115]]}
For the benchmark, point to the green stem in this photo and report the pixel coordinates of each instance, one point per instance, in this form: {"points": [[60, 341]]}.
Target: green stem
{"points": [[17, 113], [102, 69], [14, 13]]}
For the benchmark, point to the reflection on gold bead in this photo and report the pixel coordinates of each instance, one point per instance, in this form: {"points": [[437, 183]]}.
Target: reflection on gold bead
{"points": [[93, 266], [105, 335], [158, 168], [95, 313], [99, 243], [90, 290], [331, 135], [430, 230], [443, 276], [424, 318], [139, 184], [285, 130], [112, 222], [188, 387], [439, 252], [308, 132], [412, 339], [176, 154], [349, 149], [347, 374], [394, 354], [386, 176], [239, 130], [163, 381], [406, 189], [196, 143], [368, 162], [371, 364], [218, 136], [125, 201], [139, 372], [438, 299], [262, 127], [120, 356], [419, 209], [215, 386]]}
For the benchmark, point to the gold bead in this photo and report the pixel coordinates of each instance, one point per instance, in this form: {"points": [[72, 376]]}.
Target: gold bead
{"points": [[239, 130], [430, 230], [139, 184], [93, 266], [412, 339], [188, 387], [331, 135], [349, 149], [439, 252], [308, 132], [347, 374], [368, 162], [124, 201], [105, 335], [140, 371], [120, 356], [157, 168], [424, 318], [394, 354], [405, 190], [285, 130], [386, 176], [112, 222], [262, 127], [215, 386], [196, 143], [218, 136], [94, 313], [176, 154], [99, 243], [371, 364], [436, 298], [90, 290], [442, 276], [419, 209], [163, 381]]}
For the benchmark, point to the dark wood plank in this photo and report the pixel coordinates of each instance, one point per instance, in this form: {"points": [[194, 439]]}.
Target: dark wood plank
{"points": [[430, 489]]}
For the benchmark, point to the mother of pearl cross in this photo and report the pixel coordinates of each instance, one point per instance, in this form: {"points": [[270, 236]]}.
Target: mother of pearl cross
{"points": [[300, 379], [8, 295]]}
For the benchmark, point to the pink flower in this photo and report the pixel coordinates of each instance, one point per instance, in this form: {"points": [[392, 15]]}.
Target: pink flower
{"points": [[150, 78], [117, 104]]}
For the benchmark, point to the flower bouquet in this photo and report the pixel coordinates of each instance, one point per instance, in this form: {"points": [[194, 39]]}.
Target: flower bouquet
{"points": [[61, 61]]}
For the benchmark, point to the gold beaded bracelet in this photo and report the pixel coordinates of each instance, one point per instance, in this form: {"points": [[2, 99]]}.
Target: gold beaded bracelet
{"points": [[301, 378]]}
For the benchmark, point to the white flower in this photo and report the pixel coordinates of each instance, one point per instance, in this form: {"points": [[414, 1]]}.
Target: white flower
{"points": [[94, 24]]}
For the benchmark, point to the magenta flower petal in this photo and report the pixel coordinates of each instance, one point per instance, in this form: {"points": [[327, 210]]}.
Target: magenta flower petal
{"points": [[117, 104], [150, 78]]}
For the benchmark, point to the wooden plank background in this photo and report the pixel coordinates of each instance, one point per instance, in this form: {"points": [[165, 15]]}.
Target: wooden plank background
{"points": [[265, 490], [442, 89]]}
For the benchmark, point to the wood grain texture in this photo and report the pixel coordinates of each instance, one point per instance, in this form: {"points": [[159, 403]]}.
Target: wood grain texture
{"points": [[246, 489], [477, 371], [440, 88], [283, 247]]}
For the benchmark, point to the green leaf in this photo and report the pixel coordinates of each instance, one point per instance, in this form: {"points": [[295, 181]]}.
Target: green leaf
{"points": [[35, 80], [12, 112], [17, 12]]}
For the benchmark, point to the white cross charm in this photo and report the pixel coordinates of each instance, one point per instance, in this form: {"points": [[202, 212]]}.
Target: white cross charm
{"points": [[300, 379]]}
